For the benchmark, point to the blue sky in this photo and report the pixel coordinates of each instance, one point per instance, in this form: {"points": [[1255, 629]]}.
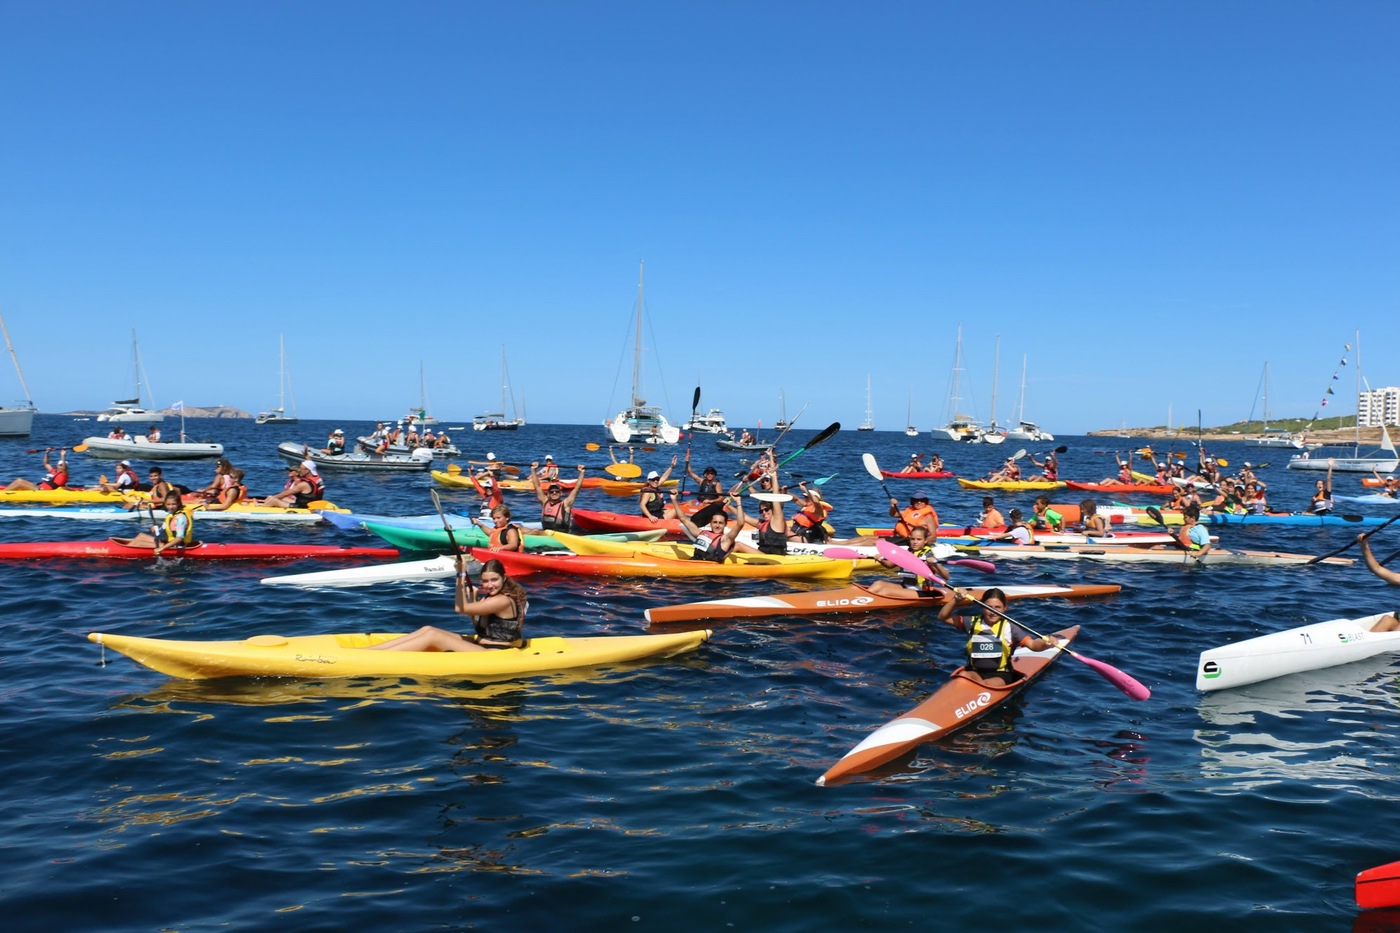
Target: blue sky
{"points": [[1149, 200]]}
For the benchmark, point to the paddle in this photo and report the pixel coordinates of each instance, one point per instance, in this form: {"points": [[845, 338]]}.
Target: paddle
{"points": [[451, 538], [826, 434], [694, 407], [1364, 534], [623, 470], [592, 446], [823, 480], [1131, 687], [512, 470], [873, 469], [1155, 514], [845, 553]]}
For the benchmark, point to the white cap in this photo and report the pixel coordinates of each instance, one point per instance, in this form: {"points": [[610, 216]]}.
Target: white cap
{"points": [[549, 456], [653, 475], [309, 467], [337, 431], [490, 457], [125, 463]]}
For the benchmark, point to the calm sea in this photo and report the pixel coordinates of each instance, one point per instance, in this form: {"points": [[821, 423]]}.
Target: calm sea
{"points": [[679, 794]]}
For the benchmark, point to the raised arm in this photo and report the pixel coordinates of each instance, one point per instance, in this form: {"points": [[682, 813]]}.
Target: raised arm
{"points": [[1375, 566], [572, 494], [535, 483]]}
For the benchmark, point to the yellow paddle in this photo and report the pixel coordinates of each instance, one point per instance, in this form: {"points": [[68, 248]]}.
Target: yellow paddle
{"points": [[78, 448], [623, 470], [454, 468], [592, 446]]}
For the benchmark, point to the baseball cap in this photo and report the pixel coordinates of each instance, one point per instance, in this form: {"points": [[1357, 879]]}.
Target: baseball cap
{"points": [[549, 456], [308, 466], [653, 475], [337, 431], [490, 457], [125, 463]]}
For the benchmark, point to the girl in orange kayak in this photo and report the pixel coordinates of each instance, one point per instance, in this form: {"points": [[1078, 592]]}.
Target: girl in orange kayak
{"points": [[992, 637], [909, 584], [498, 607]]}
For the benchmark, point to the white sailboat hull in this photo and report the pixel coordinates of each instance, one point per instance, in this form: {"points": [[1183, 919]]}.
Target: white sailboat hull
{"points": [[131, 416], [16, 422], [629, 426]]}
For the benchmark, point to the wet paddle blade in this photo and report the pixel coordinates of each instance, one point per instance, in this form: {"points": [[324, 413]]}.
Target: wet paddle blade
{"points": [[972, 563], [1129, 685]]}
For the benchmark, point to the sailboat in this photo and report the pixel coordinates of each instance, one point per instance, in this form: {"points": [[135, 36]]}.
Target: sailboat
{"points": [[418, 416], [1029, 430], [1382, 461], [279, 414], [992, 433], [640, 421], [496, 420], [959, 427], [129, 411], [16, 422], [869, 423], [909, 429], [1274, 437], [782, 423]]}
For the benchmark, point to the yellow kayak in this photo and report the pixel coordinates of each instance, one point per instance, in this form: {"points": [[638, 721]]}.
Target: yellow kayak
{"points": [[349, 655], [1007, 484], [679, 550], [62, 496]]}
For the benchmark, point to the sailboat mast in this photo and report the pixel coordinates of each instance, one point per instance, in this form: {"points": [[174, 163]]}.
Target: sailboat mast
{"points": [[281, 373], [1357, 451], [637, 344], [1021, 406], [954, 398], [996, 377], [10, 347], [1266, 397]]}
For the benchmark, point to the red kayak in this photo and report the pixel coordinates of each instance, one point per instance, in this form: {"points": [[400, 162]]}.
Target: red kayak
{"points": [[953, 706], [919, 474], [1157, 489], [591, 522], [111, 550], [1379, 886]]}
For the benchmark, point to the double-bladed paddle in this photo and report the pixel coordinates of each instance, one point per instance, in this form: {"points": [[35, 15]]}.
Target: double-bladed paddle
{"points": [[972, 563], [694, 407], [1364, 534], [873, 469], [824, 435], [901, 557], [451, 538]]}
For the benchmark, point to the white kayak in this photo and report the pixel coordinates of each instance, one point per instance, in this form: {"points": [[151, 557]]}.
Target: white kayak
{"points": [[1214, 556], [115, 513], [412, 571], [1307, 648], [749, 536]]}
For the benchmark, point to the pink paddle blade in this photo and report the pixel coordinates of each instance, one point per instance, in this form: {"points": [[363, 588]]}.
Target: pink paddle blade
{"points": [[904, 560], [1125, 682], [984, 566], [843, 553]]}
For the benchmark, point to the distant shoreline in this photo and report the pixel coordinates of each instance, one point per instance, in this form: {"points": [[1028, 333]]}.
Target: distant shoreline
{"points": [[1331, 438]]}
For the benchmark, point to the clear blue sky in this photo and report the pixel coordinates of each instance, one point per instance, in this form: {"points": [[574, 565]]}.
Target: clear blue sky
{"points": [[1148, 199]]}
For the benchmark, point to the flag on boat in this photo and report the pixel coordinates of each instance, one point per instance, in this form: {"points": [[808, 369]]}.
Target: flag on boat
{"points": [[178, 406]]}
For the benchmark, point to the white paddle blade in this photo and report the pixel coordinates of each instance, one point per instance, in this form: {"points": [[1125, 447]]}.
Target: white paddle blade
{"points": [[872, 467]]}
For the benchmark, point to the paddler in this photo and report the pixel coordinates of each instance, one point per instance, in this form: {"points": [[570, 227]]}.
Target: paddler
{"points": [[715, 541], [650, 500], [1050, 467], [232, 494], [175, 530], [55, 474], [499, 606], [991, 516], [915, 464], [126, 481], [304, 486], [1387, 623], [770, 529], [1193, 536], [1091, 522], [549, 472], [1017, 531], [992, 637], [484, 482], [1045, 518], [919, 512], [220, 480], [1010, 472], [556, 509], [707, 485], [910, 584], [505, 536], [808, 524], [1321, 502]]}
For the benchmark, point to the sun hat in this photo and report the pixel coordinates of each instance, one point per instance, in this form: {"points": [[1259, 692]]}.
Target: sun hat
{"points": [[337, 431]]}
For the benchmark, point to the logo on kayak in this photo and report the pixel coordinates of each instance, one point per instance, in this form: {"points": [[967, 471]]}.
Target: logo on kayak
{"points": [[315, 659], [1210, 670], [1347, 638], [856, 601], [973, 705]]}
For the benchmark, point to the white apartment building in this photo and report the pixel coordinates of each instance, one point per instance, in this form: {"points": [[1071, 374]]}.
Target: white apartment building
{"points": [[1378, 407]]}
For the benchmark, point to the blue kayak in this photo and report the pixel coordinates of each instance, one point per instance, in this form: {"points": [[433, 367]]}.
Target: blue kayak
{"points": [[355, 521], [1293, 518], [1374, 498]]}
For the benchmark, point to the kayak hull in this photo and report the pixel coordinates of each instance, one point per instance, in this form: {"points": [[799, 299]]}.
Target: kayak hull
{"points": [[851, 599], [350, 655], [1020, 485], [1379, 887], [1156, 489], [1306, 648], [614, 565], [955, 705], [112, 550], [919, 474], [430, 540]]}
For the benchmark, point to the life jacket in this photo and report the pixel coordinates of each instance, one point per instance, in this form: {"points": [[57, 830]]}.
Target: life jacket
{"points": [[182, 537], [653, 500], [769, 541], [318, 491], [496, 627], [920, 515], [497, 538], [708, 489], [549, 473], [554, 516], [709, 546], [989, 646], [57, 478]]}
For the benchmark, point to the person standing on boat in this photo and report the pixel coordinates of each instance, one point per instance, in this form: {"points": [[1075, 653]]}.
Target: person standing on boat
{"points": [[992, 638], [55, 474], [1193, 536], [498, 605], [919, 512], [556, 509]]}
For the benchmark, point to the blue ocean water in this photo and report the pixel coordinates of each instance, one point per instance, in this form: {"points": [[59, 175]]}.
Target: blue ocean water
{"points": [[679, 793]]}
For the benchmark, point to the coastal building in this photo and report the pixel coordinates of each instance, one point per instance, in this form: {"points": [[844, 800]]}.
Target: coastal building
{"points": [[1378, 407]]}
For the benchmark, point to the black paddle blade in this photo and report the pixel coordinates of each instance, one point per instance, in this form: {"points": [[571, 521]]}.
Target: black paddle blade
{"points": [[695, 402], [824, 435], [703, 515]]}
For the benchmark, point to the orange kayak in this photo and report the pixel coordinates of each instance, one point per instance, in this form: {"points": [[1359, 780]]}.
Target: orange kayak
{"points": [[612, 565], [953, 706], [850, 599], [591, 522]]}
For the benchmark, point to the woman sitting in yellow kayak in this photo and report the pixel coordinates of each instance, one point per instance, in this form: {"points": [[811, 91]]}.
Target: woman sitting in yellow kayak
{"points": [[499, 608]]}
